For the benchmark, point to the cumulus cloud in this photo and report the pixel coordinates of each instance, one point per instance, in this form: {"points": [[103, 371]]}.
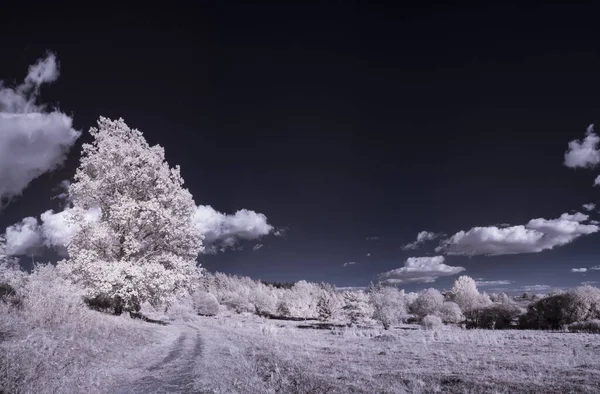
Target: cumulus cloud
{"points": [[223, 231], [24, 238], [422, 237], [583, 153], [537, 235], [32, 140], [483, 283], [53, 230], [420, 270], [589, 207], [350, 263], [578, 269]]}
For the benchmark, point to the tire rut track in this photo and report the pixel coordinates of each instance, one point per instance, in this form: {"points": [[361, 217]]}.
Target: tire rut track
{"points": [[175, 373]]}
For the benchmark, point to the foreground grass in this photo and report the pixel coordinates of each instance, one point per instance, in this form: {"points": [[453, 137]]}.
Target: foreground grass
{"points": [[252, 355], [82, 351]]}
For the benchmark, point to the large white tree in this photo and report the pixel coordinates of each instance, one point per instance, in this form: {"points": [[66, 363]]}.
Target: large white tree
{"points": [[144, 246]]}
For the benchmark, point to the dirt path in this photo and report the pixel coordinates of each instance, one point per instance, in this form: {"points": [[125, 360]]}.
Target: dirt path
{"points": [[175, 372]]}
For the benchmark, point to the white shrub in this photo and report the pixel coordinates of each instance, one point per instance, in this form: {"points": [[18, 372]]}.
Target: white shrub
{"points": [[389, 305], [450, 313], [205, 304], [428, 302], [432, 322], [589, 326], [144, 245]]}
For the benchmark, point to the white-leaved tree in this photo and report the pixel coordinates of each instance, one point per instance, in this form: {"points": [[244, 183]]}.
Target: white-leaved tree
{"points": [[144, 246], [465, 294]]}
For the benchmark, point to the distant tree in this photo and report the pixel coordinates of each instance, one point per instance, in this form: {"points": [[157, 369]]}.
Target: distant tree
{"points": [[432, 322], [327, 306], [558, 310], [428, 302], [145, 245], [389, 305], [357, 308], [450, 313]]}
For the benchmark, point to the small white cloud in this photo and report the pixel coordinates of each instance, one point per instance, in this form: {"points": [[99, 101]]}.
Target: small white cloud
{"points": [[597, 181], [223, 231], [420, 270], [583, 153], [280, 232], [350, 263], [536, 288], [537, 235], [351, 288], [595, 268], [368, 254], [482, 283], [589, 282], [578, 269], [589, 207], [422, 237], [257, 247], [32, 140], [372, 238]]}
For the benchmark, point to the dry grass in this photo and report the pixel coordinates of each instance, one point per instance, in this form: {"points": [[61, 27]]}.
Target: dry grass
{"points": [[256, 356]]}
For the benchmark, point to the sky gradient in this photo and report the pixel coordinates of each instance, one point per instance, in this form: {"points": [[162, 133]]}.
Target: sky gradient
{"points": [[351, 127]]}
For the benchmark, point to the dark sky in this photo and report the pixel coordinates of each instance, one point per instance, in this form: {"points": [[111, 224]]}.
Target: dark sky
{"points": [[340, 121]]}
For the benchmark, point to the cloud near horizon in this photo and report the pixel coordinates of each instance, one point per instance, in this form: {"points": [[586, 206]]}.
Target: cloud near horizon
{"points": [[484, 283], [420, 270], [53, 230], [32, 140], [422, 237], [223, 231], [535, 236], [578, 269]]}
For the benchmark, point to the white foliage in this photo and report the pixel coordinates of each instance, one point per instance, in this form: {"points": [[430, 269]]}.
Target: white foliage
{"points": [[205, 304], [432, 322], [389, 304], [428, 302], [450, 313], [357, 308], [145, 245], [466, 295]]}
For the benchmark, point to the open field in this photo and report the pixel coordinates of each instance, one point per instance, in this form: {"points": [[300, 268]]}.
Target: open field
{"points": [[254, 355]]}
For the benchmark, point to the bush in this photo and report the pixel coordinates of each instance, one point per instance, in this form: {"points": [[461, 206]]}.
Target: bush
{"points": [[205, 304], [428, 302], [450, 313], [497, 316], [432, 322], [589, 326]]}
